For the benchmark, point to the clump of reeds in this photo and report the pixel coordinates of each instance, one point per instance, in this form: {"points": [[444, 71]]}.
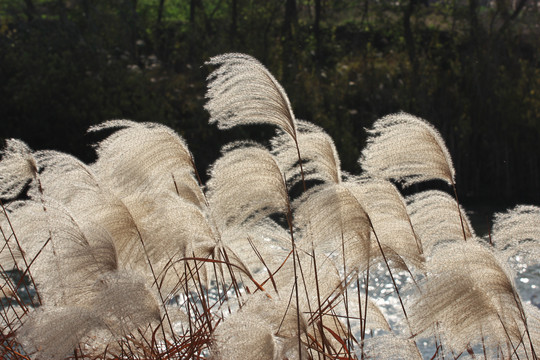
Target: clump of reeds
{"points": [[133, 257]]}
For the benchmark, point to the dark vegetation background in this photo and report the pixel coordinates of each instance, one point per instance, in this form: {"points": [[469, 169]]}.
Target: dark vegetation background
{"points": [[471, 67]]}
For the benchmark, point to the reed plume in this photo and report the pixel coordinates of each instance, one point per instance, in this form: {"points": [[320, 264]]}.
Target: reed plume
{"points": [[389, 222], [105, 317], [145, 157], [69, 328], [391, 347], [78, 279], [53, 243], [533, 322], [262, 247], [17, 168], [242, 91], [374, 317], [517, 232], [470, 296], [264, 328], [432, 214], [406, 149], [74, 184], [319, 155], [137, 217], [331, 216], [246, 184]]}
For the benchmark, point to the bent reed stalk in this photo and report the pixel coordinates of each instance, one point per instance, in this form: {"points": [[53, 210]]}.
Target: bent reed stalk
{"points": [[133, 257]]}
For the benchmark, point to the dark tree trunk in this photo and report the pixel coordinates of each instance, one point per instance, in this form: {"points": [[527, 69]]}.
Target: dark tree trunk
{"points": [[159, 36], [317, 31], [510, 17], [290, 26], [30, 9], [193, 32], [62, 10], [409, 40], [234, 21], [272, 18], [192, 6], [160, 12], [291, 18], [365, 12], [129, 13], [473, 18], [411, 46]]}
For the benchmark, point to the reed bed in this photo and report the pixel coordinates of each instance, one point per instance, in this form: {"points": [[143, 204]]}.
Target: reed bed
{"points": [[133, 257]]}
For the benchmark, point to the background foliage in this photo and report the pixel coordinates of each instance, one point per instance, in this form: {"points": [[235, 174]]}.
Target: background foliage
{"points": [[470, 67]]}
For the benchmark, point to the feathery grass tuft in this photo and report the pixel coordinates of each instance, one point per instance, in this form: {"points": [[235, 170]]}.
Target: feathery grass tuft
{"points": [[432, 214], [242, 91], [407, 149], [17, 168], [319, 154], [331, 216], [246, 184], [391, 347], [259, 322], [517, 232], [145, 157], [470, 296]]}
